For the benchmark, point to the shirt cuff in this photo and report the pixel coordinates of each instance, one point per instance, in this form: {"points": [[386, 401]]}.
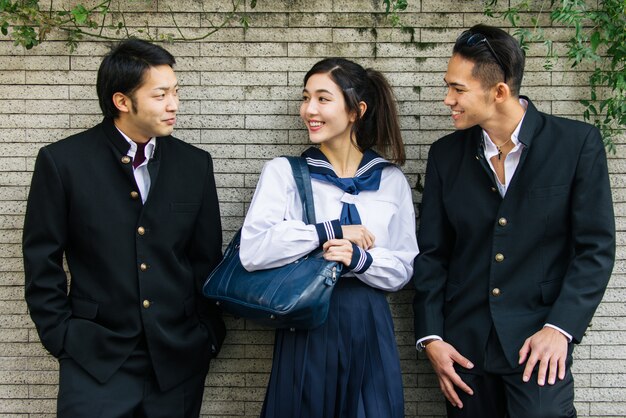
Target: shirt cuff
{"points": [[428, 337], [567, 335], [361, 260], [329, 230]]}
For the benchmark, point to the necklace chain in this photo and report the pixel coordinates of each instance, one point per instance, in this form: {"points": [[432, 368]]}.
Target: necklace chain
{"points": [[499, 147]]}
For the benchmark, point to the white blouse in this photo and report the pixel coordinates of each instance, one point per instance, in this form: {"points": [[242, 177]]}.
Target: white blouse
{"points": [[274, 234]]}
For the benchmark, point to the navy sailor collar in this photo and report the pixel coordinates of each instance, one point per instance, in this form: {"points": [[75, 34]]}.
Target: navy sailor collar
{"points": [[319, 164]]}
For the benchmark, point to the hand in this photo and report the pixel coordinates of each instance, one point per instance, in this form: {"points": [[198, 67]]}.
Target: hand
{"points": [[549, 348], [443, 356], [358, 235], [338, 250]]}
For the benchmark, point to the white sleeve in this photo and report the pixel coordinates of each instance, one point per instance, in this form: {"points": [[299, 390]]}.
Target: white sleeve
{"points": [[273, 233], [392, 260]]}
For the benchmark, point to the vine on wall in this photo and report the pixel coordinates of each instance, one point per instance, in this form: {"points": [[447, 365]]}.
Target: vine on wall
{"points": [[598, 37], [28, 23]]}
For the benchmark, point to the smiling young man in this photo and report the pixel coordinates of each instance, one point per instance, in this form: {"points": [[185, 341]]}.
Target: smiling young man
{"points": [[516, 238], [134, 211]]}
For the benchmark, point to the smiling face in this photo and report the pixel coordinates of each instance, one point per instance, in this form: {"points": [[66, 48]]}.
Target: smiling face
{"points": [[324, 111], [150, 111], [470, 102]]}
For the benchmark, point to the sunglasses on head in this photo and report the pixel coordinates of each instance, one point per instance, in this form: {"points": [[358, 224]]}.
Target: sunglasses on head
{"points": [[473, 39]]}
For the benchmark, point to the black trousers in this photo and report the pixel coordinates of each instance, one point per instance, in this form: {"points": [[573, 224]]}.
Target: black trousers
{"points": [[132, 392], [499, 392]]}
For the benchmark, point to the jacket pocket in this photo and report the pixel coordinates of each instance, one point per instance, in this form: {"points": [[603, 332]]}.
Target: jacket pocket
{"points": [[82, 308], [549, 191], [550, 291]]}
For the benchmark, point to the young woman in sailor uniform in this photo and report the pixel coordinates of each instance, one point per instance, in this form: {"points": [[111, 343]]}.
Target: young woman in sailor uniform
{"points": [[348, 367]]}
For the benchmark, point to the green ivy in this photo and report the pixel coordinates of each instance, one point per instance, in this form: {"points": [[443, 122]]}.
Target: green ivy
{"points": [[392, 9], [28, 25], [598, 37]]}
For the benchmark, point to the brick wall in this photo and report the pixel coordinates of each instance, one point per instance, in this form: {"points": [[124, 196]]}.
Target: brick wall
{"points": [[240, 96]]}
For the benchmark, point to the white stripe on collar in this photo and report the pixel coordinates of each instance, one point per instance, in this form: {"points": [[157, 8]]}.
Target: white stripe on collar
{"points": [[325, 164], [369, 165]]}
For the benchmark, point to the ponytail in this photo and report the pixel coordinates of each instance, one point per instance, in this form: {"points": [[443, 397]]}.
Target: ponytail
{"points": [[382, 124]]}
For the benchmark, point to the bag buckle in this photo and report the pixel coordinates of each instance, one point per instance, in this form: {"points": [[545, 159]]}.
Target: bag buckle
{"points": [[330, 281]]}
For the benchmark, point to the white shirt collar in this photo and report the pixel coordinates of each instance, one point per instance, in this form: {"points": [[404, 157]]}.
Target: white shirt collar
{"points": [[148, 151]]}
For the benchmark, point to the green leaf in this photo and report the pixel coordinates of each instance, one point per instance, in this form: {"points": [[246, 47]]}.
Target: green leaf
{"points": [[595, 41], [387, 4], [245, 21], [401, 5], [603, 104], [80, 14]]}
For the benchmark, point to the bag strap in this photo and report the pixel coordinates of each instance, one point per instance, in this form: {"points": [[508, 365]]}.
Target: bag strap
{"points": [[302, 177]]}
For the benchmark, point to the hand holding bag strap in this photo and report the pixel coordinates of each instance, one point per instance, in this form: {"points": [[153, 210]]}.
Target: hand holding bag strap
{"points": [[296, 295], [302, 177]]}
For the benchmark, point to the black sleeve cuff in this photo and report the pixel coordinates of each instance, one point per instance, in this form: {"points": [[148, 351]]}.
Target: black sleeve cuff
{"points": [[329, 230], [361, 260]]}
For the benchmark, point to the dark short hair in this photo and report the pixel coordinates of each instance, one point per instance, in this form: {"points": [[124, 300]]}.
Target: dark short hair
{"points": [[379, 127], [123, 69], [500, 58]]}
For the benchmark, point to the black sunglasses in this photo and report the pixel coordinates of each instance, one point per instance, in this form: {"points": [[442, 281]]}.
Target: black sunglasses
{"points": [[473, 39]]}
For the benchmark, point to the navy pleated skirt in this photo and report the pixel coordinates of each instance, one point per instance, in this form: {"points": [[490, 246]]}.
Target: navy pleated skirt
{"points": [[347, 368]]}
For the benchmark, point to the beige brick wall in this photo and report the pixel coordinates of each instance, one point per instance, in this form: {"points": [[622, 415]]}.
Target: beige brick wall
{"points": [[240, 95]]}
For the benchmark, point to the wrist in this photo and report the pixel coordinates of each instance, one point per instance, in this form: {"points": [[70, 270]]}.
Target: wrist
{"points": [[329, 230], [360, 261], [422, 345]]}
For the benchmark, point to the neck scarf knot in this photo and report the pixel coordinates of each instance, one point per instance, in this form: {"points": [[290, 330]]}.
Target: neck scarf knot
{"points": [[366, 178]]}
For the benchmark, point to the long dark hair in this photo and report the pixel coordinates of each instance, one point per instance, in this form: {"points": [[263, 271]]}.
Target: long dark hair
{"points": [[378, 127]]}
